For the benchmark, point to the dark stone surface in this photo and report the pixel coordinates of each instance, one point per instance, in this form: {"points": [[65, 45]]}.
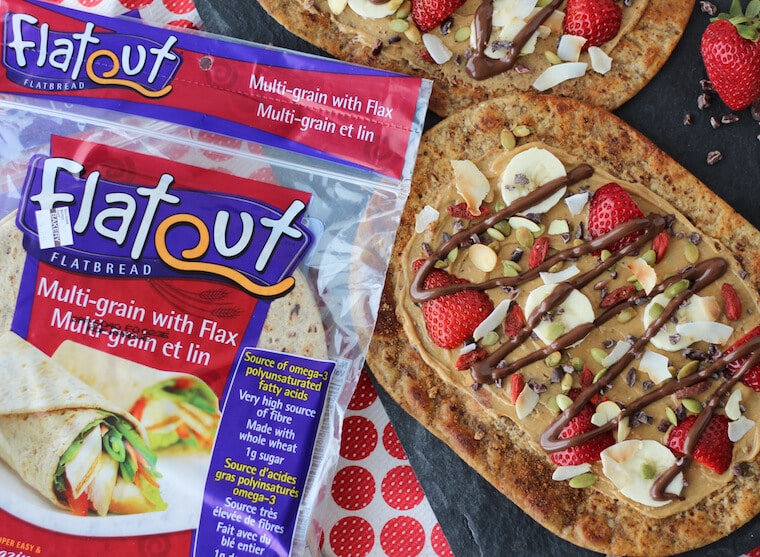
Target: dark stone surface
{"points": [[476, 519]]}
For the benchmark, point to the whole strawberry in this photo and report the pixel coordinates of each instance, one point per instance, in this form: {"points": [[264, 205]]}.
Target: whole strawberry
{"points": [[610, 207], [596, 20], [427, 14], [587, 451], [451, 319], [714, 450], [731, 54]]}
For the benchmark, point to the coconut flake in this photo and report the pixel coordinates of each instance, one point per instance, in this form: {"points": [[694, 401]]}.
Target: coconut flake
{"points": [[560, 276], [439, 52], [739, 428], [569, 47], [576, 203], [554, 75], [526, 402], [562, 473], [644, 273], [425, 219], [493, 320], [620, 350], [656, 366], [733, 405], [601, 62], [708, 331], [471, 184]]}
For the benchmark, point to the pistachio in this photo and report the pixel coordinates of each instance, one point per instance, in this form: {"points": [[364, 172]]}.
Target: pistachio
{"points": [[508, 268], [691, 252], [557, 267], [650, 256], [441, 264], [551, 404], [452, 255], [496, 234], [399, 25], [676, 288], [524, 237], [577, 364], [692, 405], [688, 369], [605, 255], [499, 206], [599, 374], [566, 383], [508, 140], [404, 10], [462, 34], [647, 471], [582, 481]]}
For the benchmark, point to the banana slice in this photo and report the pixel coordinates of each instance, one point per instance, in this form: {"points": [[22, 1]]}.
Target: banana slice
{"points": [[526, 172], [574, 311], [368, 10], [698, 309], [634, 465]]}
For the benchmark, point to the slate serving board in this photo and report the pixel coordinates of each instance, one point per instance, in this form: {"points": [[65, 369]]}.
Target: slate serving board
{"points": [[476, 519]]}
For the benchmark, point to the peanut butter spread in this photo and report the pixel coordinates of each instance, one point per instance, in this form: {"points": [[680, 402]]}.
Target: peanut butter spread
{"points": [[656, 355], [482, 40]]}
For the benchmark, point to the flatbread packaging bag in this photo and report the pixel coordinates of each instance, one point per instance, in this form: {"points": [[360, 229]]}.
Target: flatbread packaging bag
{"points": [[602, 52], [182, 326], [576, 316]]}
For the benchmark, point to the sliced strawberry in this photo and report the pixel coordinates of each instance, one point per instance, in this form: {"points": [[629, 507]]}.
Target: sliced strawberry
{"points": [[428, 14], [538, 252], [585, 452], [610, 207], [598, 21], [714, 450], [752, 377], [451, 319]]}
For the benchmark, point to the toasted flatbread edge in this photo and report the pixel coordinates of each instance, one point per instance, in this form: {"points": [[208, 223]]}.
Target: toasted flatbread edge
{"points": [[497, 448], [638, 56]]}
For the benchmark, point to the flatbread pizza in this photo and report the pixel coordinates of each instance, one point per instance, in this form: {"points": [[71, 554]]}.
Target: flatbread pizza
{"points": [[480, 49], [576, 316]]}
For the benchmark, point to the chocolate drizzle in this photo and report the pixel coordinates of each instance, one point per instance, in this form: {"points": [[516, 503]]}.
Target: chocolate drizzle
{"points": [[478, 65], [495, 367]]}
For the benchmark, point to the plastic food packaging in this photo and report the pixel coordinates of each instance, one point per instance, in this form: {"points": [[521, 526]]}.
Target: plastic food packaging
{"points": [[195, 233]]}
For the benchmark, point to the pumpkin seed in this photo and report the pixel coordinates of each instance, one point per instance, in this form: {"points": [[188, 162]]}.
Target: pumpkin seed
{"points": [[522, 131], [496, 234], [578, 364], [566, 383], [404, 10], [564, 402], [598, 354], [626, 315], [552, 57], [691, 252], [441, 264], [582, 481], [399, 25], [490, 338], [509, 270], [503, 227], [507, 138], [500, 205], [553, 359], [599, 374], [655, 310], [671, 415], [413, 34], [650, 257], [676, 288], [692, 405], [462, 34], [605, 255], [557, 267], [551, 404], [524, 237], [452, 255], [688, 369]]}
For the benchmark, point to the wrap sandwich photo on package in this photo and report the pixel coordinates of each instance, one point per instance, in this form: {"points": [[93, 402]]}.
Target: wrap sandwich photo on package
{"points": [[186, 313]]}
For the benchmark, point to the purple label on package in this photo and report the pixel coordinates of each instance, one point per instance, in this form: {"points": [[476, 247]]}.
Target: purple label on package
{"points": [[261, 458]]}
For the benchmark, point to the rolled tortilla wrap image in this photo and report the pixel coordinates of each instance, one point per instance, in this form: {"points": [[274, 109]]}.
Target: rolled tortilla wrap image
{"points": [[76, 448], [177, 410]]}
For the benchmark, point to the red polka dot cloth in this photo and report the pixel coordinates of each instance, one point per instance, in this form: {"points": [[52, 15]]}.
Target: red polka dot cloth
{"points": [[181, 13], [376, 505]]}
